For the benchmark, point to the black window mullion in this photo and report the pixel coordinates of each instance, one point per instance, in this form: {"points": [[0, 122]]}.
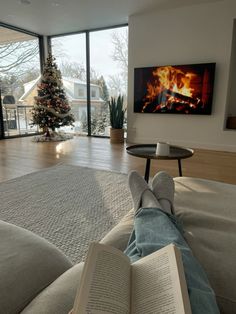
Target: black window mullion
{"points": [[49, 44], [41, 53], [88, 83], [1, 118]]}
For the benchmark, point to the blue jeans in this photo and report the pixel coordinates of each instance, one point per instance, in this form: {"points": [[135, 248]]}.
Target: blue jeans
{"points": [[154, 229]]}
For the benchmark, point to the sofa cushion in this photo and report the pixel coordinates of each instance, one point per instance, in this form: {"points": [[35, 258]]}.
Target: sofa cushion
{"points": [[59, 296], [28, 264], [208, 212]]}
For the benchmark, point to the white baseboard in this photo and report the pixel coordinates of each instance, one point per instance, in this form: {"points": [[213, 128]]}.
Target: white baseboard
{"points": [[209, 146]]}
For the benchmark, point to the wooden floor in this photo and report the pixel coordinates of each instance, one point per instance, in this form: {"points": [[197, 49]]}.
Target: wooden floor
{"points": [[20, 156]]}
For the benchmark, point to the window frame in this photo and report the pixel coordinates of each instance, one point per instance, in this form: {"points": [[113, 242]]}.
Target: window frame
{"points": [[87, 45], [41, 61]]}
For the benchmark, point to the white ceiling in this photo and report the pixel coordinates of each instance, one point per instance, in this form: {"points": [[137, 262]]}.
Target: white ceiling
{"points": [[50, 17]]}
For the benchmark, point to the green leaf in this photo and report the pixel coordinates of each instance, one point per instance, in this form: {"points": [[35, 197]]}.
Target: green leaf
{"points": [[117, 111]]}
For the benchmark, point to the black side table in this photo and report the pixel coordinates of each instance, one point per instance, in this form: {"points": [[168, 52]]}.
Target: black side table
{"points": [[148, 151]]}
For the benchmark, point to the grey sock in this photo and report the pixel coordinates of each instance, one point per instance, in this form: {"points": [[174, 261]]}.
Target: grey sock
{"points": [[149, 200], [163, 188], [166, 205], [137, 187]]}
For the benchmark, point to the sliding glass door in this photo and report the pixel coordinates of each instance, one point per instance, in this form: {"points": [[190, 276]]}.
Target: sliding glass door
{"points": [[19, 74], [94, 67]]}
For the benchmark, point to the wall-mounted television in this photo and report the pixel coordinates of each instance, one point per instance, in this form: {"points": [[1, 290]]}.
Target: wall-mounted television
{"points": [[186, 89]]}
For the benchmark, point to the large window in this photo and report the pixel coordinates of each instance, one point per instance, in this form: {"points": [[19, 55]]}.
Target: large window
{"points": [[109, 65], [19, 73], [108, 60], [70, 54]]}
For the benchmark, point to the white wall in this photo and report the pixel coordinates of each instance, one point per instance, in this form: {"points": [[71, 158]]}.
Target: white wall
{"points": [[231, 100], [193, 34]]}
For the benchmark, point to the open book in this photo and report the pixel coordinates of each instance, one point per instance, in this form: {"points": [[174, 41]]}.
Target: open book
{"points": [[152, 285]]}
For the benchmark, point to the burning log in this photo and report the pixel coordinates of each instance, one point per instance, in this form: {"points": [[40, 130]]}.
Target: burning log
{"points": [[170, 101], [169, 93]]}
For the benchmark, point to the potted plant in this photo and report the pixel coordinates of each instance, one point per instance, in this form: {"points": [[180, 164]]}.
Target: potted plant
{"points": [[117, 114]]}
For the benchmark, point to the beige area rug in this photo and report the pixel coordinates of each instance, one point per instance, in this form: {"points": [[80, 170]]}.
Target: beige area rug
{"points": [[69, 206]]}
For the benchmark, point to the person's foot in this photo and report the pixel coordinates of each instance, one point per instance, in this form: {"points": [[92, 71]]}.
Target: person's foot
{"points": [[141, 193], [163, 188], [149, 200]]}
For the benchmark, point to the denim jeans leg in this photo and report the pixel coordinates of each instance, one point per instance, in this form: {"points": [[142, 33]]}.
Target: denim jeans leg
{"points": [[154, 229]]}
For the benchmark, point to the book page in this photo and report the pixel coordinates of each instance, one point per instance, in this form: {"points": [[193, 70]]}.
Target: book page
{"points": [[156, 285], [105, 284]]}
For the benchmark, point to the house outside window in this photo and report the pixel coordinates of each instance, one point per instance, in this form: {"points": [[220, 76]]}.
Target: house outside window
{"points": [[93, 93], [81, 92]]}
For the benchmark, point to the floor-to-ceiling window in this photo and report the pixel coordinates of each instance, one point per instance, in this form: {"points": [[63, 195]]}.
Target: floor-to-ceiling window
{"points": [[108, 78], [19, 74], [70, 54], [98, 58]]}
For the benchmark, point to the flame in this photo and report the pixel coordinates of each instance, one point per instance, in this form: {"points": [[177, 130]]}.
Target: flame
{"points": [[174, 79], [168, 78], [152, 91]]}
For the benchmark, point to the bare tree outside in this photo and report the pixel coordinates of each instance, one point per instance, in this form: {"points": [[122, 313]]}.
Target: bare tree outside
{"points": [[17, 57], [19, 61], [73, 70], [120, 53], [118, 83]]}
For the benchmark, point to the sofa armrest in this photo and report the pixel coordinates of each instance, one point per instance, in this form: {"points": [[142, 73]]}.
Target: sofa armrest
{"points": [[28, 264], [120, 234], [58, 297]]}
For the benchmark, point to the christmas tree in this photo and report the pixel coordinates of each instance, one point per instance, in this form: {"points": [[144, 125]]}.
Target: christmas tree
{"points": [[51, 110]]}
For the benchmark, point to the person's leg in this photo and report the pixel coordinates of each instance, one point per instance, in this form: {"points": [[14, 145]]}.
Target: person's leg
{"points": [[155, 228]]}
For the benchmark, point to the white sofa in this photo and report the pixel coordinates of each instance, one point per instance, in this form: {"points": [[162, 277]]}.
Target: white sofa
{"points": [[38, 279]]}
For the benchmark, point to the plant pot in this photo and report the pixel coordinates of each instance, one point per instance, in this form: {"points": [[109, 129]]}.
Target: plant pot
{"points": [[116, 135]]}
